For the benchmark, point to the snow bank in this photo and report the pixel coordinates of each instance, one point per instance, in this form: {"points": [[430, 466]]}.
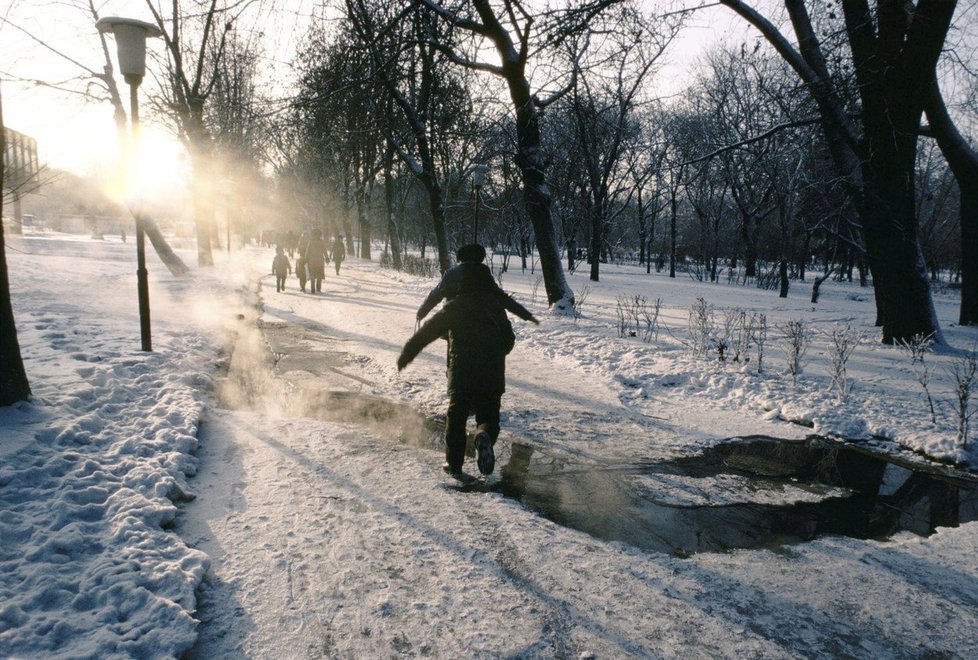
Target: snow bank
{"points": [[92, 466]]}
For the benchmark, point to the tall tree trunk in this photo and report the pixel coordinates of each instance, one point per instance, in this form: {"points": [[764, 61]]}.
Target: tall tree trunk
{"points": [[203, 201], [673, 216], [392, 236], [13, 377], [173, 263], [963, 160], [363, 219], [436, 202], [595, 247], [529, 159]]}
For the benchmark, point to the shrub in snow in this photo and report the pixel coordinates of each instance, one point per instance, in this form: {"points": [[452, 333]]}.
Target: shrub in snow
{"points": [[650, 317], [916, 347], [842, 342], [635, 315], [964, 375], [579, 301], [735, 337], [758, 335], [702, 327], [535, 287], [624, 316], [796, 336]]}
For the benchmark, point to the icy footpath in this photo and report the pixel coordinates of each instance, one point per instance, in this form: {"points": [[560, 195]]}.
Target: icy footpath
{"points": [[91, 467]]}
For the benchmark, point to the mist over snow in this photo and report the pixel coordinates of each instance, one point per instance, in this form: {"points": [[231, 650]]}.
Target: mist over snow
{"points": [[263, 484]]}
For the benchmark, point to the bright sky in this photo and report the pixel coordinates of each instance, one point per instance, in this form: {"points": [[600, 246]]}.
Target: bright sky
{"points": [[72, 133], [79, 134]]}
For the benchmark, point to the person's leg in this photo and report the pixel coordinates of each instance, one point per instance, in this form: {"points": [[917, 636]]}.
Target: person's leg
{"points": [[457, 416], [487, 421], [487, 414]]}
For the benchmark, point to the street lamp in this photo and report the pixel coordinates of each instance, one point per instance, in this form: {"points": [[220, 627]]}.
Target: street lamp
{"points": [[478, 178], [130, 40]]}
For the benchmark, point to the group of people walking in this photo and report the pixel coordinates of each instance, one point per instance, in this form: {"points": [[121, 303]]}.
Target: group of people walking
{"points": [[310, 265]]}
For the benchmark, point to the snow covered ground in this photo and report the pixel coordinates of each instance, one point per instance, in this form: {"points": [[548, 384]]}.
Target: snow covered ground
{"points": [[143, 493]]}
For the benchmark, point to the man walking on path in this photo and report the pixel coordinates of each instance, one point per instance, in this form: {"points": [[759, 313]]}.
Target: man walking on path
{"points": [[339, 252], [479, 338], [470, 260]]}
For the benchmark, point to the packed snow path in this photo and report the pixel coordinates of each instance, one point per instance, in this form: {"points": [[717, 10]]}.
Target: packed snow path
{"points": [[333, 539]]}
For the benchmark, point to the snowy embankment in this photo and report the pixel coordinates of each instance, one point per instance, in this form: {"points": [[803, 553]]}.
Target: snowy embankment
{"points": [[91, 467]]}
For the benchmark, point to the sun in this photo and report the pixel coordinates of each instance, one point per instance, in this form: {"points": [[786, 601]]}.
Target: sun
{"points": [[158, 170]]}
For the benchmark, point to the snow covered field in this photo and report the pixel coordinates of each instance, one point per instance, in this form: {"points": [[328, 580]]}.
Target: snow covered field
{"points": [[134, 503]]}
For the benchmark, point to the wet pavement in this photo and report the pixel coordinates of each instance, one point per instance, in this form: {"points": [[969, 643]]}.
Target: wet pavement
{"points": [[753, 492]]}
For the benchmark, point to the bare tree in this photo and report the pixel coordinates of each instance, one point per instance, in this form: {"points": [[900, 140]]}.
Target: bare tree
{"points": [[105, 89], [510, 29], [894, 51], [196, 39], [609, 82], [413, 74], [13, 378], [963, 161]]}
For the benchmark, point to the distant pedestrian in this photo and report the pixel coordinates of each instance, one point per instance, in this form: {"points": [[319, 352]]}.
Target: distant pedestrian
{"points": [[301, 272], [315, 256], [281, 267], [479, 338], [470, 261], [339, 252]]}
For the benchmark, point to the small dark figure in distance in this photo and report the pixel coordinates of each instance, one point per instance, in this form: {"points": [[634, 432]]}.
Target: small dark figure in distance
{"points": [[315, 256], [301, 272], [339, 252], [480, 337], [281, 267], [470, 261]]}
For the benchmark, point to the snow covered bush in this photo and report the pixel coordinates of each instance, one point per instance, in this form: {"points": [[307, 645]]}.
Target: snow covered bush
{"points": [[916, 347], [796, 337], [758, 335], [702, 327], [842, 342], [964, 377]]}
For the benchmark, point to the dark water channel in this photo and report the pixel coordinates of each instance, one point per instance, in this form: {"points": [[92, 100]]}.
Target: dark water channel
{"points": [[744, 493]]}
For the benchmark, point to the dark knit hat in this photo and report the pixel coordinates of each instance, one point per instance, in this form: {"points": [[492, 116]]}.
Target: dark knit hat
{"points": [[471, 252]]}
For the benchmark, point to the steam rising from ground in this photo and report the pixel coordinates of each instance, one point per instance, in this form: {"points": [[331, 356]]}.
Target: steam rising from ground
{"points": [[254, 382]]}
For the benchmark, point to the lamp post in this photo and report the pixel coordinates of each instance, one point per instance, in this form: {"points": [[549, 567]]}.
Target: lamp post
{"points": [[130, 40], [478, 178]]}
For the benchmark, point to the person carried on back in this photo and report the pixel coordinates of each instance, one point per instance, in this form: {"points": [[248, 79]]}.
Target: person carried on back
{"points": [[470, 260], [480, 336]]}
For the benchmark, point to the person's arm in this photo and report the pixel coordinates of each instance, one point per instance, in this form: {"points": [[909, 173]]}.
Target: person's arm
{"points": [[429, 332], [438, 293], [515, 308]]}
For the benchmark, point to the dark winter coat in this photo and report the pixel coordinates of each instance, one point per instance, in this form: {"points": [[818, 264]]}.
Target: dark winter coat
{"points": [[281, 266], [315, 255], [339, 250], [451, 282], [479, 338]]}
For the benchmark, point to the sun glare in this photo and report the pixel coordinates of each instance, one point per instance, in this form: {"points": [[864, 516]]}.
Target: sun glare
{"points": [[156, 172]]}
